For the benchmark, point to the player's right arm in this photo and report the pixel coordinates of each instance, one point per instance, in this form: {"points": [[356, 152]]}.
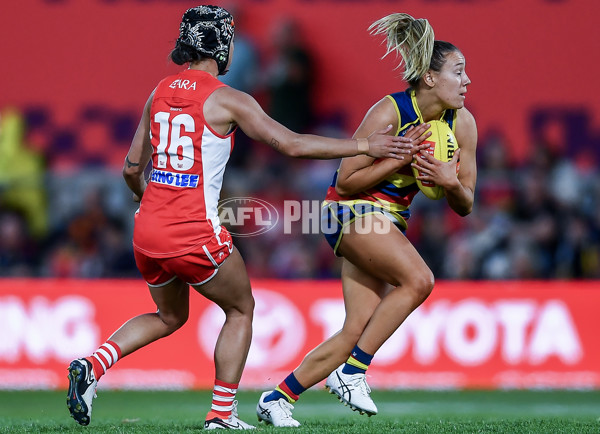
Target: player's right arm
{"points": [[360, 173], [240, 108], [139, 154], [461, 198]]}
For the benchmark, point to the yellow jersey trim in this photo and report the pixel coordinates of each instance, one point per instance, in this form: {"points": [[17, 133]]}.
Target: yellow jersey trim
{"points": [[397, 113]]}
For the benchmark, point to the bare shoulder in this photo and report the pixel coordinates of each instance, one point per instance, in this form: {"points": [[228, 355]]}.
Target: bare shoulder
{"points": [[148, 104], [466, 128], [384, 109], [229, 97], [151, 97], [381, 114], [226, 107], [465, 119], [232, 102]]}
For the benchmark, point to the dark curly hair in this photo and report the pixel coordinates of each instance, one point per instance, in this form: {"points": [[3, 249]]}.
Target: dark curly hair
{"points": [[183, 53]]}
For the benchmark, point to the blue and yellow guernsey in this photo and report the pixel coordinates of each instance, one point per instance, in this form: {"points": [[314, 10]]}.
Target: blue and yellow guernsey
{"points": [[395, 193]]}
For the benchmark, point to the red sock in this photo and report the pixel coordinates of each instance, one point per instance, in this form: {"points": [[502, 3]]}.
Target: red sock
{"points": [[104, 357], [223, 397]]}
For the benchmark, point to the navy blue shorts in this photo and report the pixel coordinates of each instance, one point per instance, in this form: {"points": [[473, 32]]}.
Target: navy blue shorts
{"points": [[335, 216]]}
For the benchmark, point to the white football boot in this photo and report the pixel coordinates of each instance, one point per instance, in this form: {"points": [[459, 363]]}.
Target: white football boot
{"points": [[232, 422], [276, 413], [82, 390], [352, 390]]}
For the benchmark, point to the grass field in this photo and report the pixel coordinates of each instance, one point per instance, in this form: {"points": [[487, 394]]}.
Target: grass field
{"points": [[399, 412]]}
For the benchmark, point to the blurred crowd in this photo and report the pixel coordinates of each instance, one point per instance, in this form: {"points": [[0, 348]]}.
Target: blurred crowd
{"points": [[536, 219]]}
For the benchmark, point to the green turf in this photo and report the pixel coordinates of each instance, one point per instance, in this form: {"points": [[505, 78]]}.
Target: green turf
{"points": [[319, 412]]}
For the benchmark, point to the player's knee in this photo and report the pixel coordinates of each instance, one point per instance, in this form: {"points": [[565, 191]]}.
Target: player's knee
{"points": [[246, 307], [243, 309], [423, 285], [173, 320], [420, 282], [250, 306]]}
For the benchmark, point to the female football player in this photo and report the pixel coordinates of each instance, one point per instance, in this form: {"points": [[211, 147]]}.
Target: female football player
{"points": [[186, 130], [364, 218]]}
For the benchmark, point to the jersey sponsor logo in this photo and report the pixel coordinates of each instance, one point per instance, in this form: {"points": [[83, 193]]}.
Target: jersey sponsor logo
{"points": [[181, 180], [183, 84]]}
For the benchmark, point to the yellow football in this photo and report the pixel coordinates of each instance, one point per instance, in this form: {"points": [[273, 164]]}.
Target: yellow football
{"points": [[442, 145]]}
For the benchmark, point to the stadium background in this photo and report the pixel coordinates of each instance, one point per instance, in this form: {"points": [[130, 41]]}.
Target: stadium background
{"points": [[74, 79]]}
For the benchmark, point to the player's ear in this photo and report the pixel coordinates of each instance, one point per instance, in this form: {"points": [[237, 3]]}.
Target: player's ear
{"points": [[429, 79]]}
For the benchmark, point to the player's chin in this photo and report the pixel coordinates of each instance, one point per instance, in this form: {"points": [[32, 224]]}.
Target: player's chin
{"points": [[459, 102], [455, 103]]}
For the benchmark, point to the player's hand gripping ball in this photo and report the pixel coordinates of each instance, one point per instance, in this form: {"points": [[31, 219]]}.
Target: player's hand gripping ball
{"points": [[442, 145]]}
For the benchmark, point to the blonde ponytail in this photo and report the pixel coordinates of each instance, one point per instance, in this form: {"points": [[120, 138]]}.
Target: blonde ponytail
{"points": [[412, 38]]}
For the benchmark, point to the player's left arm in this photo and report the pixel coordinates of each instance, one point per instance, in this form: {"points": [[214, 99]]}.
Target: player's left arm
{"points": [[460, 190], [139, 155], [460, 195]]}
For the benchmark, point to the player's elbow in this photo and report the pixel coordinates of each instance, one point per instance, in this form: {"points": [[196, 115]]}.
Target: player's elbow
{"points": [[293, 151], [344, 189], [461, 204], [132, 172], [341, 191], [463, 209], [292, 147], [127, 173], [464, 212]]}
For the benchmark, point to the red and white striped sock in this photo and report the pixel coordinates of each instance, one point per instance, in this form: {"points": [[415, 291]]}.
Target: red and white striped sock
{"points": [[104, 357], [223, 397]]}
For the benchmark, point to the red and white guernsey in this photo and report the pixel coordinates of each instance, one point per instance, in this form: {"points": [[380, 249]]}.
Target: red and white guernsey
{"points": [[179, 209]]}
